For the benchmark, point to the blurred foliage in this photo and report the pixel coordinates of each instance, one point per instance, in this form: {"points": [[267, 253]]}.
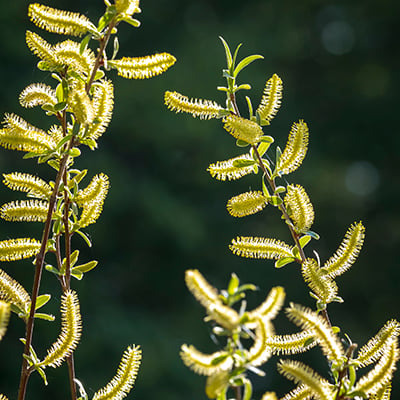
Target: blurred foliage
{"points": [[339, 62]]}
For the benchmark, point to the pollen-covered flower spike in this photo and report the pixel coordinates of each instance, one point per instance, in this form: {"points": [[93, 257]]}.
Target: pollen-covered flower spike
{"points": [[243, 129], [59, 21], [204, 109], [123, 381], [143, 67], [271, 99]]}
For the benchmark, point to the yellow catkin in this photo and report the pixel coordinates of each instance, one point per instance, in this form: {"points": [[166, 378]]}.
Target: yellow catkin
{"points": [[20, 135], [301, 392], [205, 364], [271, 99], [259, 352], [103, 102], [204, 109], [25, 210], [71, 327], [310, 320], [300, 208], [30, 184], [81, 105], [95, 191], [321, 284], [226, 170], [301, 373], [204, 293], [17, 249], [295, 343], [127, 7], [246, 204], [12, 292], [143, 67], [41, 48], [59, 21], [296, 148], [125, 377], [257, 247], [243, 129], [271, 306], [37, 94], [269, 396], [348, 251], [380, 376], [4, 317], [376, 346], [68, 54]]}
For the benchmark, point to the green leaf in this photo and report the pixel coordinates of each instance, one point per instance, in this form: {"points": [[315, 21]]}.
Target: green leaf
{"points": [[243, 163], [233, 284], [235, 56], [84, 43], [247, 286], [335, 329], [241, 143], [262, 148], [53, 270], [222, 89], [275, 201], [77, 274], [280, 189], [42, 374], [48, 107], [314, 235], [267, 139], [284, 261], [265, 188], [248, 389], [106, 18], [85, 267], [304, 240], [85, 238], [54, 164], [60, 106], [75, 152], [99, 74], [308, 342], [219, 359], [250, 107], [131, 21], [244, 86], [245, 62], [30, 155], [42, 300], [227, 53], [47, 317]]}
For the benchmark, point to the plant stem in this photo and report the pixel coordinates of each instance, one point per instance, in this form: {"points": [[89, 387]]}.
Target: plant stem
{"points": [[25, 372]]}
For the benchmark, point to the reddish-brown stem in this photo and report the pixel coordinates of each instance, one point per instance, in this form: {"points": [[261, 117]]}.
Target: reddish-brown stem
{"points": [[25, 371]]}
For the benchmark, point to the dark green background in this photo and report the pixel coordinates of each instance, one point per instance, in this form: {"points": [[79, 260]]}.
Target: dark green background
{"points": [[165, 214]]}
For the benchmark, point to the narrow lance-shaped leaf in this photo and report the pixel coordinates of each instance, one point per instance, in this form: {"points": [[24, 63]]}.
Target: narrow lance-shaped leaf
{"points": [[123, 381], [204, 109], [257, 247], [143, 67], [59, 21], [205, 364], [231, 170], [71, 327]]}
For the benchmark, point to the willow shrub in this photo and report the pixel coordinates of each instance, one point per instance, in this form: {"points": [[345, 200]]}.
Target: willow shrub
{"points": [[80, 105], [249, 336]]}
